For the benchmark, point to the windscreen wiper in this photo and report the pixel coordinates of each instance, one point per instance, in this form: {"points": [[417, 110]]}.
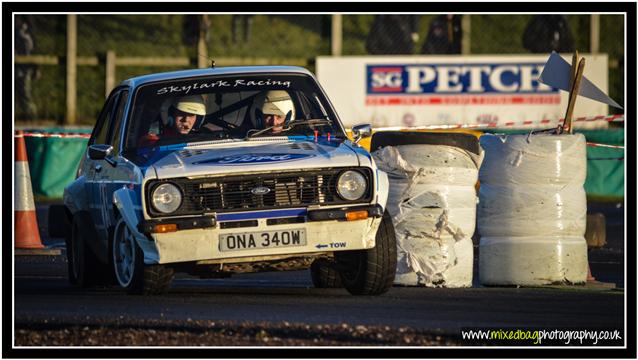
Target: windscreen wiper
{"points": [[311, 122]]}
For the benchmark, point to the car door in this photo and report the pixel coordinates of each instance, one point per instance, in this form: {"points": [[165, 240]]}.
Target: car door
{"points": [[98, 175], [116, 172]]}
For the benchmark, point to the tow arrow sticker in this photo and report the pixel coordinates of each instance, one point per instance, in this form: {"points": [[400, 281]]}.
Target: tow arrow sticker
{"points": [[332, 245]]}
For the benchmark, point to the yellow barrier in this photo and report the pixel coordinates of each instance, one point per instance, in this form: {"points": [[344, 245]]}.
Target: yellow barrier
{"points": [[366, 142]]}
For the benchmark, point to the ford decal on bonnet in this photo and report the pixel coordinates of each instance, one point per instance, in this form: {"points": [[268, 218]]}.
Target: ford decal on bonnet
{"points": [[254, 158]]}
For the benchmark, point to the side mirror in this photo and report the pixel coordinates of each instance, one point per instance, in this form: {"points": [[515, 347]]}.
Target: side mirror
{"points": [[100, 151], [361, 132]]}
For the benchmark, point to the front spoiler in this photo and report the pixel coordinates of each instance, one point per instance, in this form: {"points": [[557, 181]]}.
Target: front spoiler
{"points": [[211, 221], [321, 236]]}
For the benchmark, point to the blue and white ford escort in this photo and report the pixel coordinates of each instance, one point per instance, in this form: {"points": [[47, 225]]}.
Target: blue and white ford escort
{"points": [[219, 171]]}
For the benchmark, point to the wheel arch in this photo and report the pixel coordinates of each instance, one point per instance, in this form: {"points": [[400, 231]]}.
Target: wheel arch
{"points": [[130, 210], [75, 196]]}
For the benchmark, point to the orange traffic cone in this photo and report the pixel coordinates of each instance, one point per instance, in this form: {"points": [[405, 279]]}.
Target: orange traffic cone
{"points": [[27, 235]]}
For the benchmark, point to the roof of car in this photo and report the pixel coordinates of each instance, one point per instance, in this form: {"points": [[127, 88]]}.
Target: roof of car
{"points": [[230, 70]]}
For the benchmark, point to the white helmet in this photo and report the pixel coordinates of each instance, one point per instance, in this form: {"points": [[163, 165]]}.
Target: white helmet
{"points": [[191, 104], [278, 102]]}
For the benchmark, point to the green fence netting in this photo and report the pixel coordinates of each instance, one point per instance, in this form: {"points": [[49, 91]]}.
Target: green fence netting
{"points": [[53, 163], [605, 166]]}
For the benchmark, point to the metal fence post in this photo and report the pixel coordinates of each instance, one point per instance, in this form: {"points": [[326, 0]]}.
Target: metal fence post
{"points": [[337, 35], [110, 72], [71, 69]]}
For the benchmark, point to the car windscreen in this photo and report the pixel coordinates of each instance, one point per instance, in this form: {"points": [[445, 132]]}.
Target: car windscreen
{"points": [[228, 107]]}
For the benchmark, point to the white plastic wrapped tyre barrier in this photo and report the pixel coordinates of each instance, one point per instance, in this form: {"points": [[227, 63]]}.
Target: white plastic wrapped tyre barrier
{"points": [[432, 201], [532, 210]]}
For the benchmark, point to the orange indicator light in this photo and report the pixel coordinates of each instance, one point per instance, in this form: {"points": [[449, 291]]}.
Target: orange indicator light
{"points": [[164, 228], [356, 215]]}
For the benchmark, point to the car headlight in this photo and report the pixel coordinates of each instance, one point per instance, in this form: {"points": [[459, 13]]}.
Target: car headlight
{"points": [[166, 198], [351, 185]]}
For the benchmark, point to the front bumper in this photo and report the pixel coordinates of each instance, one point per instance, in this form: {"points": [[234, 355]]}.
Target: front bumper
{"points": [[326, 230]]}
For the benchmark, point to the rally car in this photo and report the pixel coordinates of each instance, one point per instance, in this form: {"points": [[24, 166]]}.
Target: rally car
{"points": [[227, 170]]}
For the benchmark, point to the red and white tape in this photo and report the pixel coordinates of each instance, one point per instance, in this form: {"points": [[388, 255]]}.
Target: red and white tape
{"points": [[57, 135], [544, 122], [605, 145], [608, 118]]}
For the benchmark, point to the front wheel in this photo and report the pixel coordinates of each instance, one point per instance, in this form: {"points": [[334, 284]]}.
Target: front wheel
{"points": [[371, 271], [131, 272]]}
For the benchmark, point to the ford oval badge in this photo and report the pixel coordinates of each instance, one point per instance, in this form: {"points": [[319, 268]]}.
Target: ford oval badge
{"points": [[260, 190]]}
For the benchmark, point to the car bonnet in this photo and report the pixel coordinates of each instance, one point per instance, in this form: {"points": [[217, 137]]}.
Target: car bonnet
{"points": [[233, 158]]}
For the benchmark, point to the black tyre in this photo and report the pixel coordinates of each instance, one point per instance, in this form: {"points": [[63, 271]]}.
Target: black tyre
{"points": [[324, 274], [128, 264], [371, 272], [58, 221], [84, 268], [464, 141]]}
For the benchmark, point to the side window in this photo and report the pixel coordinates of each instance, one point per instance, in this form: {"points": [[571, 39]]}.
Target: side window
{"points": [[117, 121], [103, 122]]}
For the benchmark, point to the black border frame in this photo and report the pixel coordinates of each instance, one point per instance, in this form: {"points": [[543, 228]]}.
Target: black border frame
{"points": [[629, 8]]}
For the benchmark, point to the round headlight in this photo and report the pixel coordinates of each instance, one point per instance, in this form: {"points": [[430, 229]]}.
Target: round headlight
{"points": [[166, 198], [351, 185]]}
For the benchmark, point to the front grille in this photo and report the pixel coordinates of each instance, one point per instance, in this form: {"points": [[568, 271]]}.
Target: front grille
{"points": [[235, 193]]}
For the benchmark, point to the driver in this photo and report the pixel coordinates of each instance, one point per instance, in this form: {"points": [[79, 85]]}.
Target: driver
{"points": [[277, 110], [182, 116]]}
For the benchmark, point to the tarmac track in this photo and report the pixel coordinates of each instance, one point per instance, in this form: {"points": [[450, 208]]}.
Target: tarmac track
{"points": [[284, 309], [44, 300]]}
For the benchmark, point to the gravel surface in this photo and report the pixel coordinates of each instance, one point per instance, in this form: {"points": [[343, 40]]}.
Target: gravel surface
{"points": [[207, 333]]}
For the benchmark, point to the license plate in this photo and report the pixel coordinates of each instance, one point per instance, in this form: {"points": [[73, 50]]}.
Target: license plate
{"points": [[262, 240]]}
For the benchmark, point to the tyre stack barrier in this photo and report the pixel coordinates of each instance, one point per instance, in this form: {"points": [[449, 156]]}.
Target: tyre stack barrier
{"points": [[432, 201], [532, 210]]}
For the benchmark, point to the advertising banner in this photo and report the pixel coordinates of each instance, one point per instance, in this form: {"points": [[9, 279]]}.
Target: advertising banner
{"points": [[450, 90]]}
